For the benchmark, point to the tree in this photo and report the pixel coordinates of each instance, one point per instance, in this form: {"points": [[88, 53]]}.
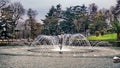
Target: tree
{"points": [[3, 3], [50, 25], [116, 25], [32, 14], [68, 26], [7, 21], [100, 21], [51, 11], [97, 18], [112, 9], [116, 28], [51, 22], [18, 10], [93, 8], [81, 17], [117, 8], [38, 28], [31, 27]]}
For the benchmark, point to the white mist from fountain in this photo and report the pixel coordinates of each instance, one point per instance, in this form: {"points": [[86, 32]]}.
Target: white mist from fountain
{"points": [[61, 42]]}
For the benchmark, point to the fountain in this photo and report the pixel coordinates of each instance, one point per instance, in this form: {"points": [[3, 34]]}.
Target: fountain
{"points": [[65, 45], [61, 40]]}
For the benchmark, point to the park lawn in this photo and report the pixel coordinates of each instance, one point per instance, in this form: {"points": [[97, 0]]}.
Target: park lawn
{"points": [[106, 37]]}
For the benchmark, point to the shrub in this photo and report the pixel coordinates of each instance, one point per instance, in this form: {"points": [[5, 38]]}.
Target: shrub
{"points": [[97, 33], [102, 32]]}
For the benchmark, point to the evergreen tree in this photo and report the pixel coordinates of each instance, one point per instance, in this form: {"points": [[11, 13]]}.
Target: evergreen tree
{"points": [[51, 22], [116, 25]]}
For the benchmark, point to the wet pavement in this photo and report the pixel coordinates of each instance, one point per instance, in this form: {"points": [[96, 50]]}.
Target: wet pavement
{"points": [[19, 60], [7, 61]]}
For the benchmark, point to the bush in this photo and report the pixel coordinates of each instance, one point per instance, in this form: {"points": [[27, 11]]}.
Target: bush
{"points": [[102, 32], [97, 33]]}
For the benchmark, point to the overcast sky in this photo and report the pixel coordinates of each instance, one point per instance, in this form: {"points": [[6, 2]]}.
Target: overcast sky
{"points": [[42, 6]]}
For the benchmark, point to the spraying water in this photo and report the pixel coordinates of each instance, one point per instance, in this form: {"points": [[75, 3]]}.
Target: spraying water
{"points": [[62, 40]]}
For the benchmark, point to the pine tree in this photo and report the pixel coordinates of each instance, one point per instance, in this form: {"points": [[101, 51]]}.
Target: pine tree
{"points": [[51, 21]]}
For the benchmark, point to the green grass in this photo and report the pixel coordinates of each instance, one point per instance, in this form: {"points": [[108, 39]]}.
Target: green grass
{"points": [[106, 37]]}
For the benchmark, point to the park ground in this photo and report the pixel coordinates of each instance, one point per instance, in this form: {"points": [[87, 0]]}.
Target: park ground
{"points": [[55, 62]]}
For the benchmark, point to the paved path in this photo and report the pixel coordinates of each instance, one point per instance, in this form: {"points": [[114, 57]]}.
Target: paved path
{"points": [[26, 61], [7, 61]]}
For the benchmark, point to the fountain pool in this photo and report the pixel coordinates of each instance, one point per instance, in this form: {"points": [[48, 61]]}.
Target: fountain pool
{"points": [[67, 45], [49, 51]]}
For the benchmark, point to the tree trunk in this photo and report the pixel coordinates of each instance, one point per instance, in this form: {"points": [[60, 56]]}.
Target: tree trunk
{"points": [[118, 36]]}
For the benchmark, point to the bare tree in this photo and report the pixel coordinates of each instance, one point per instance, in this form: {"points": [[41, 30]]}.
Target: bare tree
{"points": [[31, 13], [93, 8], [3, 3], [13, 12], [18, 10]]}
